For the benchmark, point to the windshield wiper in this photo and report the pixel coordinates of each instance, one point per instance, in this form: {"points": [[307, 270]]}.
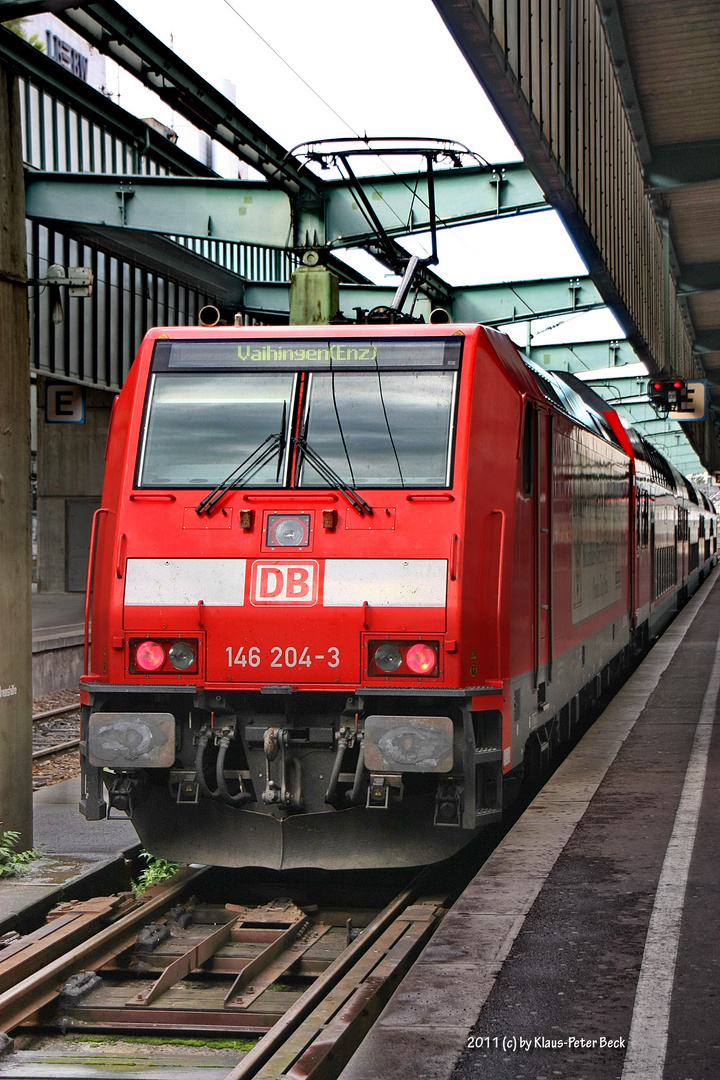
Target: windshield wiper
{"points": [[331, 477], [261, 455]]}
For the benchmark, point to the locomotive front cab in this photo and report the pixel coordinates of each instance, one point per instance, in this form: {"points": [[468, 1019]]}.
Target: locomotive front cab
{"points": [[276, 678]]}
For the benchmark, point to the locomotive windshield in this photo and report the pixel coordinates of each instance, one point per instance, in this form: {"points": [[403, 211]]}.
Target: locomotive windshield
{"points": [[378, 413], [381, 429], [201, 427]]}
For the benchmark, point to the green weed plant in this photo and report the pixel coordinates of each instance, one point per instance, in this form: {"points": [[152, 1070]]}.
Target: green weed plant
{"points": [[12, 861]]}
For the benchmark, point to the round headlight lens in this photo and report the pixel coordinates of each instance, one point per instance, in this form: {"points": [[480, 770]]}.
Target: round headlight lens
{"points": [[286, 530], [150, 655], [290, 532], [421, 658], [387, 657], [181, 655]]}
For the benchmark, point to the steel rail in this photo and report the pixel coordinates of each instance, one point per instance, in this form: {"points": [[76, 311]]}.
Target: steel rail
{"points": [[321, 1046], [56, 712], [35, 991], [48, 751], [278, 1036], [68, 924], [313, 1040]]}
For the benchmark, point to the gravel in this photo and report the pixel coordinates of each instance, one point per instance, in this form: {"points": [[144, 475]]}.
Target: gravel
{"points": [[55, 730]]}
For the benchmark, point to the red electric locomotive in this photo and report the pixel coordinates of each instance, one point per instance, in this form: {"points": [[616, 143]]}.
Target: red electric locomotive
{"points": [[349, 579]]}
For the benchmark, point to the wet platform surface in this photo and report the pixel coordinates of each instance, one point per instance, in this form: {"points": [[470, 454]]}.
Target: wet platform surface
{"points": [[587, 946]]}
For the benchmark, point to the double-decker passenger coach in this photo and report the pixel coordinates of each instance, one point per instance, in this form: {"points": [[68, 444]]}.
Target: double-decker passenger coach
{"points": [[348, 581]]}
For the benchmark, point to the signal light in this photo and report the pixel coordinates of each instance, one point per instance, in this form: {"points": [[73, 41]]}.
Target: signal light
{"points": [[150, 656], [421, 658], [403, 658], [163, 656], [667, 394]]}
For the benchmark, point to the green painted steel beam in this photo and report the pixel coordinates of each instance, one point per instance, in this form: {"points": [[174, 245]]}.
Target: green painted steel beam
{"points": [[251, 213], [60, 83], [462, 196], [230, 209], [275, 297], [583, 355], [242, 211], [522, 300], [489, 304], [114, 32]]}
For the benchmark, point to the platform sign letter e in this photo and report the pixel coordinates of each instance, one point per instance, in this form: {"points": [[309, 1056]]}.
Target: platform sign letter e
{"points": [[284, 583], [64, 403]]}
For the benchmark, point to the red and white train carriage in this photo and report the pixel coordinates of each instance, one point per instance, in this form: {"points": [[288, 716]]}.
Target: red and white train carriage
{"points": [[349, 579]]}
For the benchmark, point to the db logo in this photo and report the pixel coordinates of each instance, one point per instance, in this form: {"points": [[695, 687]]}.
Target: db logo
{"points": [[284, 583]]}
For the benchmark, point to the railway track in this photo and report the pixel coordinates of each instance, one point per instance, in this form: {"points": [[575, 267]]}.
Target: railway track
{"points": [[47, 714], [303, 984], [57, 748], [55, 733]]}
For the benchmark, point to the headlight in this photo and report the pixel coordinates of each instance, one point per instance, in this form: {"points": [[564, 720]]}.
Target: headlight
{"points": [[406, 658], [163, 656], [288, 530], [387, 657], [181, 655]]}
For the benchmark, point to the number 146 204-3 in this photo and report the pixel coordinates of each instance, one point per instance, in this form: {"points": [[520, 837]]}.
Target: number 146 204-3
{"points": [[290, 656]]}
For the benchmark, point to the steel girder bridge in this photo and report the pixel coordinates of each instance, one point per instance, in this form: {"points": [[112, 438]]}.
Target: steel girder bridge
{"points": [[164, 235]]}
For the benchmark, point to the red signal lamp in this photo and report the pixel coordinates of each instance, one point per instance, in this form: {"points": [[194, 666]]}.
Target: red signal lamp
{"points": [[403, 658]]}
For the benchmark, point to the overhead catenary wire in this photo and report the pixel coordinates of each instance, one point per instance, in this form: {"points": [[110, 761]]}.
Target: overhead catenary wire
{"points": [[289, 66]]}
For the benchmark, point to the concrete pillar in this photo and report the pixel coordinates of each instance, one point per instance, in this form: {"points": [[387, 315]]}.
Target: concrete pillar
{"points": [[15, 554]]}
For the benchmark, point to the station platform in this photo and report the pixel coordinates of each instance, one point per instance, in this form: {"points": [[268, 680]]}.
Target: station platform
{"points": [[587, 946], [57, 641]]}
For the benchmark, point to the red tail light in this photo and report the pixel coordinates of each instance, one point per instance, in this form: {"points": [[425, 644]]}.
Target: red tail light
{"points": [[163, 656], [421, 658], [150, 655], [392, 658]]}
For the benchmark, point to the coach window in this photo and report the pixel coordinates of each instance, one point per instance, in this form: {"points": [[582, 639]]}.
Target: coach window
{"points": [[528, 450], [643, 519]]}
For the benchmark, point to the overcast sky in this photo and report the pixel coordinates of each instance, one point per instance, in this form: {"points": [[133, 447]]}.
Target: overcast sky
{"points": [[383, 67]]}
